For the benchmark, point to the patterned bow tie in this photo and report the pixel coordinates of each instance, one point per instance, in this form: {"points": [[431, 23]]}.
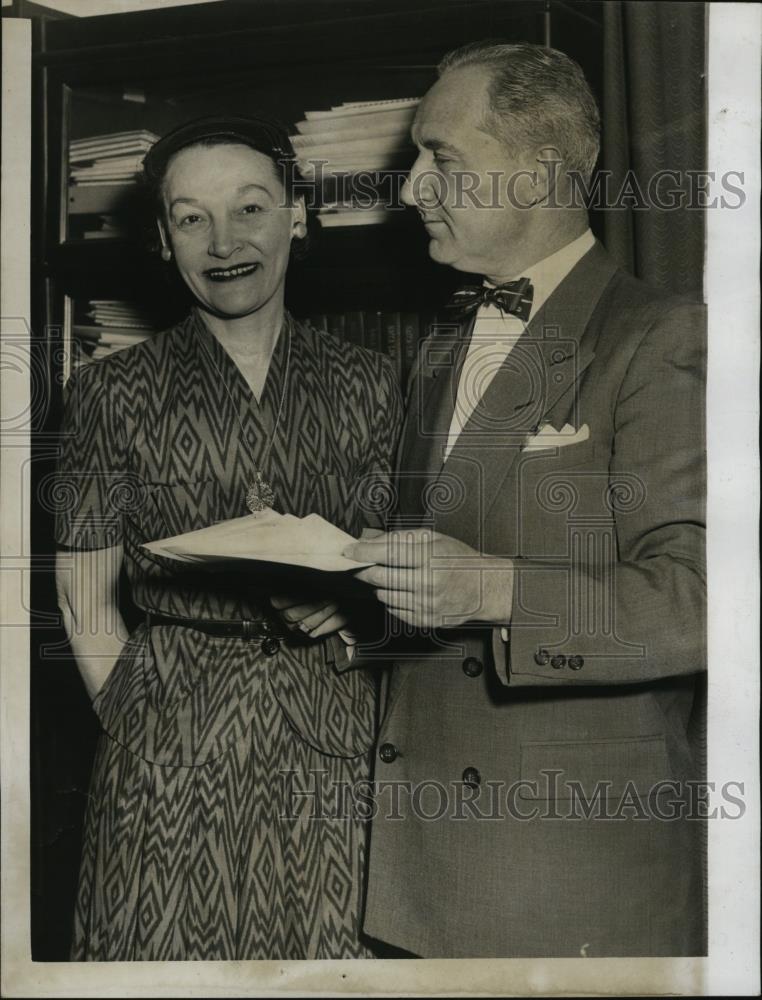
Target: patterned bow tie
{"points": [[514, 297]]}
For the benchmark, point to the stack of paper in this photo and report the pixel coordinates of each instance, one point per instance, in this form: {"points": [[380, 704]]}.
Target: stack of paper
{"points": [[114, 158], [267, 536], [101, 166], [113, 326], [368, 137]]}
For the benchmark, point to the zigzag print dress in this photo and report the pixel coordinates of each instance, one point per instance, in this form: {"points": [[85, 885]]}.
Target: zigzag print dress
{"points": [[214, 828]]}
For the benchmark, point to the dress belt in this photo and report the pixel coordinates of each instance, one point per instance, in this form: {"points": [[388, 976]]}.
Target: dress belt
{"points": [[261, 630]]}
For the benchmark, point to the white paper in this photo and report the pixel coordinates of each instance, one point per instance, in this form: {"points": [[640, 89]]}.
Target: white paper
{"points": [[265, 536]]}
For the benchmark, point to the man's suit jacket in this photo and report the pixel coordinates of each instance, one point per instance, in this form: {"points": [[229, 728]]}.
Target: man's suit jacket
{"points": [[527, 777]]}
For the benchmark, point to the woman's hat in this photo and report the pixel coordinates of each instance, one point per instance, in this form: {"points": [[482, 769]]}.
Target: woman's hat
{"points": [[265, 135]]}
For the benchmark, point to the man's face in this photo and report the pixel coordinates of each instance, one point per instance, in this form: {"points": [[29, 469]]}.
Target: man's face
{"points": [[229, 228], [460, 168]]}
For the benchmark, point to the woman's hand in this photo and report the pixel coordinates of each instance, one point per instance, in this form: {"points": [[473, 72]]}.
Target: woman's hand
{"points": [[314, 618]]}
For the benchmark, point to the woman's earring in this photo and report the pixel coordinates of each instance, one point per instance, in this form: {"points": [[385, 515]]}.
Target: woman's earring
{"points": [[300, 230], [166, 254]]}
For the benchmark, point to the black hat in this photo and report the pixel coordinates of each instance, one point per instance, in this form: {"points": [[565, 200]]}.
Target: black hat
{"points": [[266, 135]]}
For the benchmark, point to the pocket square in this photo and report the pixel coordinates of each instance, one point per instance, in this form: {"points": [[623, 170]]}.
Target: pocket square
{"points": [[548, 437]]}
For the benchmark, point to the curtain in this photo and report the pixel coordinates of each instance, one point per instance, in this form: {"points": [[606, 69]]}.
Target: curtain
{"points": [[653, 119]]}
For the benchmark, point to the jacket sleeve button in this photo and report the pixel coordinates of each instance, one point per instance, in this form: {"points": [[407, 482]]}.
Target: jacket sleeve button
{"points": [[541, 657], [388, 752], [576, 662], [558, 661], [472, 667]]}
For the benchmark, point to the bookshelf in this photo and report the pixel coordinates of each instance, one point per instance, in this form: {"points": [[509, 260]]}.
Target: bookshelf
{"points": [[152, 71]]}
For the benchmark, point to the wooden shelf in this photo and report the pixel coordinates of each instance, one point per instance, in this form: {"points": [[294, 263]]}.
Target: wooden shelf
{"points": [[312, 30]]}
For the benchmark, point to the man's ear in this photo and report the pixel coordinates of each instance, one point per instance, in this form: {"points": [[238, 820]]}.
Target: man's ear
{"points": [[549, 162]]}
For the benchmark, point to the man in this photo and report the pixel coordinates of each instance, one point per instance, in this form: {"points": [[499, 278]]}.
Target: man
{"points": [[534, 765]]}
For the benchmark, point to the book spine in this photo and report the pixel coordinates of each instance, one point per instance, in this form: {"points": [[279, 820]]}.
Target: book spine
{"points": [[372, 331], [392, 340], [354, 328], [337, 325], [410, 336]]}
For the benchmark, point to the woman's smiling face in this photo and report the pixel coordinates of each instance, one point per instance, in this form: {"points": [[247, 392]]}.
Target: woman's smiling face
{"points": [[229, 226]]}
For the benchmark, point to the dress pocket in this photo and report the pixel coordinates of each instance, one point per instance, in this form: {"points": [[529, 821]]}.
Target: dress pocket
{"points": [[120, 702], [333, 712], [179, 698]]}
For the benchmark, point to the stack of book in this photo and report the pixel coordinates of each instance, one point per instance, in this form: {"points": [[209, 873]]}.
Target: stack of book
{"points": [[101, 167], [395, 334], [349, 152], [112, 325]]}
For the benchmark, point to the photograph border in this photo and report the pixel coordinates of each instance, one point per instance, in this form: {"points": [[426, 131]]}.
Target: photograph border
{"points": [[732, 292]]}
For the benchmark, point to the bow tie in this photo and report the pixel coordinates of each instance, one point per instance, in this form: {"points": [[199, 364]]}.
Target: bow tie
{"points": [[514, 297]]}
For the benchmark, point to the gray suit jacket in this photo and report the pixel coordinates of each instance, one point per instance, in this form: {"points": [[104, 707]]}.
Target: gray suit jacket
{"points": [[537, 802]]}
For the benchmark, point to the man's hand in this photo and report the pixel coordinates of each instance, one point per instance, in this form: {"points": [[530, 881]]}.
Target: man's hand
{"points": [[432, 581], [314, 618]]}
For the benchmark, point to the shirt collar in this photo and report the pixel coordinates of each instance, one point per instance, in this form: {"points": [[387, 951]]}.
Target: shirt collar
{"points": [[547, 274]]}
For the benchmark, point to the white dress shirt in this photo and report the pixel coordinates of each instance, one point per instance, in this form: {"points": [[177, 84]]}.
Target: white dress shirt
{"points": [[495, 333]]}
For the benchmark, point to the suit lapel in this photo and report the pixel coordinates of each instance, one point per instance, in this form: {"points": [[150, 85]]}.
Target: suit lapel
{"points": [[560, 327], [533, 386], [429, 413]]}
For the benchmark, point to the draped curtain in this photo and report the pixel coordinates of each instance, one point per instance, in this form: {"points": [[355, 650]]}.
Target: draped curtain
{"points": [[653, 118]]}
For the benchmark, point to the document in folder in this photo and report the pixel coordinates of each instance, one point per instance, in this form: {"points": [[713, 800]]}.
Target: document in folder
{"points": [[268, 536]]}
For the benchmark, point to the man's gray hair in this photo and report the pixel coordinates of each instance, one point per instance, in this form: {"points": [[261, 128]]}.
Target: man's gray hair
{"points": [[536, 95]]}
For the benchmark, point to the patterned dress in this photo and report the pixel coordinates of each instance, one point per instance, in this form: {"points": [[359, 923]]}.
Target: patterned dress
{"points": [[208, 834]]}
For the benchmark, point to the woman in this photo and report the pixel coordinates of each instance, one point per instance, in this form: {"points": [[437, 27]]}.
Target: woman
{"points": [[220, 716]]}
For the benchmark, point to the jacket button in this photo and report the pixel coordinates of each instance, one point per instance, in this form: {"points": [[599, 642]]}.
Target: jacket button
{"points": [[576, 662], [270, 645], [472, 667], [388, 752], [541, 657], [558, 661], [471, 777]]}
